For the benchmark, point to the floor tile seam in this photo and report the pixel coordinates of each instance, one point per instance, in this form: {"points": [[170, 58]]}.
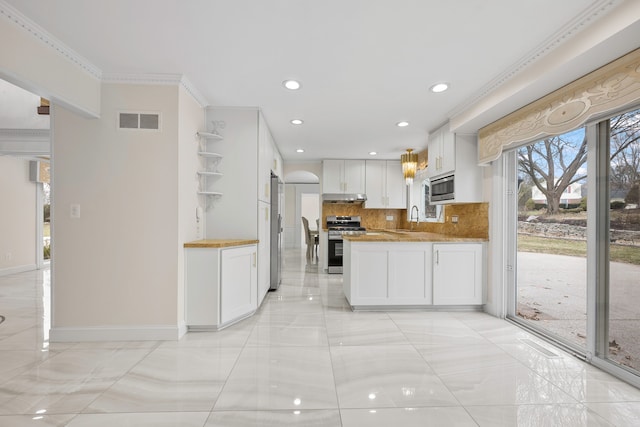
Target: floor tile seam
{"points": [[333, 372], [444, 384], [129, 371], [554, 381], [229, 374], [418, 406]]}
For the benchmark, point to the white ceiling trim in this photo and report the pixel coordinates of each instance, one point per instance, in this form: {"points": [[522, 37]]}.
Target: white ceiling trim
{"points": [[9, 13], [24, 135], [25, 142], [597, 10], [157, 79]]}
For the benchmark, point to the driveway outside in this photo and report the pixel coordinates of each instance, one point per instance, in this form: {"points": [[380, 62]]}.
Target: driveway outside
{"points": [[552, 294]]}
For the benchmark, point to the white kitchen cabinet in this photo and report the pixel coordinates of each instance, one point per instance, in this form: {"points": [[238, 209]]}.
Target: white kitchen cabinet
{"points": [[249, 156], [387, 273], [264, 250], [457, 273], [455, 155], [220, 285], [265, 160], [385, 186], [238, 290], [343, 176], [441, 152]]}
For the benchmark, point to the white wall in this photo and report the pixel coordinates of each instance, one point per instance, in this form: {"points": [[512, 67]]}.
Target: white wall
{"points": [[42, 68], [190, 121], [234, 214], [115, 269], [17, 216]]}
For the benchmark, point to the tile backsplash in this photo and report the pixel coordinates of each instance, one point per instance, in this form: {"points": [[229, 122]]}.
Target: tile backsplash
{"points": [[473, 219]]}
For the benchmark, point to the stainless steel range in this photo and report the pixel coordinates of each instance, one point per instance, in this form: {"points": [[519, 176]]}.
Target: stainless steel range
{"points": [[338, 226]]}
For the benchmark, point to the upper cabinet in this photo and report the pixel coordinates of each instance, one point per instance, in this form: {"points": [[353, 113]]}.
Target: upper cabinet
{"points": [[454, 157], [265, 160], [441, 152], [385, 186], [343, 176]]}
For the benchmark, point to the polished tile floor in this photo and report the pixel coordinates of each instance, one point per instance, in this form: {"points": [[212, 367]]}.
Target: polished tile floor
{"points": [[304, 359]]}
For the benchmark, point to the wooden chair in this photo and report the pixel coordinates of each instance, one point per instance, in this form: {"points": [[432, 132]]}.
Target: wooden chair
{"points": [[310, 240]]}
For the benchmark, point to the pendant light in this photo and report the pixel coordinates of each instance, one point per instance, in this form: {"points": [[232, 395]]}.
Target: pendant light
{"points": [[409, 165]]}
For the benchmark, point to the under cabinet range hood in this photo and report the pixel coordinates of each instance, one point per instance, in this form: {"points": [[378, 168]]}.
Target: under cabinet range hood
{"points": [[343, 198]]}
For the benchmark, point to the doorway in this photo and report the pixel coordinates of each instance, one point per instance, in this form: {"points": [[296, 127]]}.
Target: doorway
{"points": [[310, 209]]}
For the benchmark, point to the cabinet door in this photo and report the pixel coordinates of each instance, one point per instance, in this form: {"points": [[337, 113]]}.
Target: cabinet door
{"points": [[434, 153], [265, 160], [202, 289], [264, 249], [457, 274], [410, 276], [447, 153], [375, 177], [370, 269], [354, 176], [396, 186], [332, 176], [237, 283]]}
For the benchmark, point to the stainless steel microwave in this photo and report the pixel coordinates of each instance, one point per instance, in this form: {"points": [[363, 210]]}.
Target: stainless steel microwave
{"points": [[443, 188]]}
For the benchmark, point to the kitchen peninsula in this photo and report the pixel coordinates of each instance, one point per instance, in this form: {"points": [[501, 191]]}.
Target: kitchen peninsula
{"points": [[413, 269]]}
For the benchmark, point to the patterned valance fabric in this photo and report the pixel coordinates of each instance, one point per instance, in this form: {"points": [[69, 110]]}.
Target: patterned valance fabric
{"points": [[605, 90]]}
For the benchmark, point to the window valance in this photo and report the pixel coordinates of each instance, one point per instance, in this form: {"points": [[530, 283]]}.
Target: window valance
{"points": [[603, 91]]}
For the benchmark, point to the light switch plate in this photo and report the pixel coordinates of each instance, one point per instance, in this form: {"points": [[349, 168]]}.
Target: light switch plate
{"points": [[74, 211]]}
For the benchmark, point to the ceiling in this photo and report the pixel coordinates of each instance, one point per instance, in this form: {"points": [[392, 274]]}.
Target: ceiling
{"points": [[364, 65]]}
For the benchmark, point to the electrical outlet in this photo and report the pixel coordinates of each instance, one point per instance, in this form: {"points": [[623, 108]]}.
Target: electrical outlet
{"points": [[454, 219], [389, 217]]}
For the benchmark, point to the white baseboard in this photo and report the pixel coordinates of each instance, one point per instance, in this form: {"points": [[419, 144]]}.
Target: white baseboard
{"points": [[18, 269], [118, 333]]}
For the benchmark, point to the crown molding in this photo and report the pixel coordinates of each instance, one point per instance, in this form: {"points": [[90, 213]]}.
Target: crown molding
{"points": [[24, 135], [156, 79], [595, 11], [17, 18], [27, 143]]}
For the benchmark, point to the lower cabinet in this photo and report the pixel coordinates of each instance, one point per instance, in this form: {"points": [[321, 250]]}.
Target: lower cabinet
{"points": [[412, 274], [457, 273], [380, 274], [220, 286]]}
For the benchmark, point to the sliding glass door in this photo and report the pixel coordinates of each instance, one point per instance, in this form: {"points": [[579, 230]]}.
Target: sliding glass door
{"points": [[622, 294], [551, 273], [576, 247]]}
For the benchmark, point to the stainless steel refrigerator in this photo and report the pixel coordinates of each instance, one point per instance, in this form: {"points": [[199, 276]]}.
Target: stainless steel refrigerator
{"points": [[277, 196]]}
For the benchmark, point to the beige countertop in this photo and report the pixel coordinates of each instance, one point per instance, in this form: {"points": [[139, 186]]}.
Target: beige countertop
{"points": [[219, 243], [408, 236]]}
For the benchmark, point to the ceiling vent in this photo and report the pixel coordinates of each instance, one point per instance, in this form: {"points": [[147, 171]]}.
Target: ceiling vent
{"points": [[144, 121]]}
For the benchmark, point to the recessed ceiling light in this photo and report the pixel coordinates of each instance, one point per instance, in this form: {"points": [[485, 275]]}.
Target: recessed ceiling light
{"points": [[296, 122], [292, 84], [439, 87], [373, 153], [402, 124], [299, 150]]}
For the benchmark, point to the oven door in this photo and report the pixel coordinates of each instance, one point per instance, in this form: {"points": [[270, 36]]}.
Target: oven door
{"points": [[335, 255]]}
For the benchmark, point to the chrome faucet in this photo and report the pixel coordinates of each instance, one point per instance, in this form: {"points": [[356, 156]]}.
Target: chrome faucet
{"points": [[417, 216]]}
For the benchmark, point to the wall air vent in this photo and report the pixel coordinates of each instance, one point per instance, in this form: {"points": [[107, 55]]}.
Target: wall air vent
{"points": [[144, 121]]}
